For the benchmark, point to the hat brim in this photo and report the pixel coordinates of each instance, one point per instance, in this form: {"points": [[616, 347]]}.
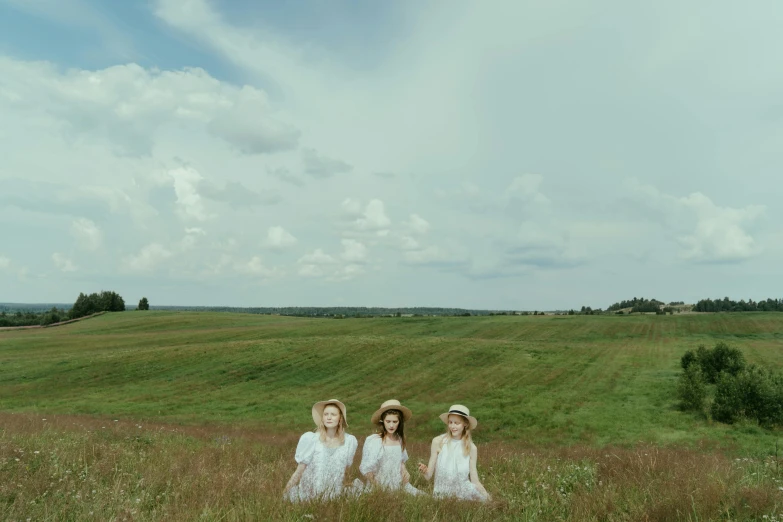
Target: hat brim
{"points": [[318, 410], [471, 419], [406, 413]]}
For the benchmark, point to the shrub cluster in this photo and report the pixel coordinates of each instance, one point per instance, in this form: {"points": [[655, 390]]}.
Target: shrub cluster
{"points": [[741, 391], [104, 302]]}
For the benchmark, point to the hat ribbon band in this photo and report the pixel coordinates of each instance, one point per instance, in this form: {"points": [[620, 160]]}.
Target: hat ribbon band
{"points": [[458, 412]]}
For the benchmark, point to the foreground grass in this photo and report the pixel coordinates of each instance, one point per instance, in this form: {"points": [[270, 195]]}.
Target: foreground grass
{"points": [[558, 381], [81, 468]]}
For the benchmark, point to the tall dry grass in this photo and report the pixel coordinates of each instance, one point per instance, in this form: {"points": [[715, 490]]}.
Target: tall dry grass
{"points": [[82, 468]]}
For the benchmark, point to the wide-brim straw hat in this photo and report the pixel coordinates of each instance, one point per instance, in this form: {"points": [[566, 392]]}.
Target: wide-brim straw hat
{"points": [[318, 410], [462, 411], [392, 404]]}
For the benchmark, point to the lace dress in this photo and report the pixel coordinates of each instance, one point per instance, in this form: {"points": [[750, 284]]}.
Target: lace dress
{"points": [[452, 473], [325, 471], [384, 462]]}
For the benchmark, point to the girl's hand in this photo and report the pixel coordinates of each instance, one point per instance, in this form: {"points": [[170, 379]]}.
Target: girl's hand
{"points": [[423, 468]]}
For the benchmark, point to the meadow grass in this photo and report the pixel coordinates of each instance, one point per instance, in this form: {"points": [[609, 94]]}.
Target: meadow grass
{"points": [[552, 380], [74, 468], [577, 415]]}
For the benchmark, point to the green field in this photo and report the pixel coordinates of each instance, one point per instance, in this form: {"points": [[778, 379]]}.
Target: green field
{"points": [[185, 416], [551, 380]]}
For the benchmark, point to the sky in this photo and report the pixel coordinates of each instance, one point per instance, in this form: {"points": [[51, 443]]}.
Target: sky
{"points": [[495, 155]]}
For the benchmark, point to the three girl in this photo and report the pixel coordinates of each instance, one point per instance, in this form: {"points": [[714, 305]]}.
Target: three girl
{"points": [[453, 458], [384, 454], [324, 456]]}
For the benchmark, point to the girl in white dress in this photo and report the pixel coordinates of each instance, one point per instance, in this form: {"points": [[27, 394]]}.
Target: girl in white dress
{"points": [[453, 458], [384, 454], [322, 456]]}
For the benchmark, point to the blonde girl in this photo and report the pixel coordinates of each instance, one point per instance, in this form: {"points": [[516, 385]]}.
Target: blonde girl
{"points": [[453, 458], [384, 454], [323, 456]]}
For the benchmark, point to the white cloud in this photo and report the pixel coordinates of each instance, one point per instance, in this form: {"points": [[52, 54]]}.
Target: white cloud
{"points": [[317, 257], [541, 245], [189, 201], [256, 267], [129, 105], [311, 271], [241, 126], [354, 251], [351, 208], [409, 243], [320, 166], [191, 237], [148, 258], [4, 262], [526, 189], [86, 233], [418, 225], [705, 231], [284, 175], [719, 234], [374, 217], [279, 238], [63, 263], [348, 272], [437, 256]]}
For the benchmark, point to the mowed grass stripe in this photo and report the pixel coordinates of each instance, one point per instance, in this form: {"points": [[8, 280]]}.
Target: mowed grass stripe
{"points": [[551, 379]]}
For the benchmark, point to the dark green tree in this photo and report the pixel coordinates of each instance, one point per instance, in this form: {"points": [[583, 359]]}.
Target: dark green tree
{"points": [[144, 304]]}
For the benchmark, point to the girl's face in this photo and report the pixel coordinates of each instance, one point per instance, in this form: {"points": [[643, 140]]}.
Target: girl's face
{"points": [[456, 426], [331, 416], [390, 423]]}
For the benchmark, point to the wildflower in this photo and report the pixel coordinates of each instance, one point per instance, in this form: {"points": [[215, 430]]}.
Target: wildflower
{"points": [[138, 500], [36, 452]]}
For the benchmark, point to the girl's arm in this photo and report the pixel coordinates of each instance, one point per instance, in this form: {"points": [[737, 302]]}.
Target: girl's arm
{"points": [[474, 478], [294, 480], [429, 469], [406, 477]]}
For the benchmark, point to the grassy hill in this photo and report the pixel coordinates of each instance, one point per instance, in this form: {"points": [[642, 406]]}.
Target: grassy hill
{"points": [[551, 380]]}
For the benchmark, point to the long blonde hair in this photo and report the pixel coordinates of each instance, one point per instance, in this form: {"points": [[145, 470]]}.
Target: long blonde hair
{"points": [[321, 429], [467, 440]]}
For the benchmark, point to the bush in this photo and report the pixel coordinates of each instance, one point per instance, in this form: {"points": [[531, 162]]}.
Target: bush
{"points": [[754, 393], [721, 358], [692, 390], [688, 358]]}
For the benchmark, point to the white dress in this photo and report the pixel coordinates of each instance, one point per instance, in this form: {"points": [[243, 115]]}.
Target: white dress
{"points": [[325, 471], [452, 473], [384, 462]]}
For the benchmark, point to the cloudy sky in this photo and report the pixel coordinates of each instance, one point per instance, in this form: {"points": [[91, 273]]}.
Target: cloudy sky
{"points": [[498, 154]]}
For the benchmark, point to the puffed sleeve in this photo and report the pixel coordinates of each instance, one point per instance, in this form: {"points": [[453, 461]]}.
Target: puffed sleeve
{"points": [[371, 455], [306, 448], [352, 444], [405, 456]]}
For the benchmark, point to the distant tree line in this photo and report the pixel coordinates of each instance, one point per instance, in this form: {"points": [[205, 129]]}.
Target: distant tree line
{"points": [[637, 304], [32, 317], [344, 311], [105, 301], [727, 305]]}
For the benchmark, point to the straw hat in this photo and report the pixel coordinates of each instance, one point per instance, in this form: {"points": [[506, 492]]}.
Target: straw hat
{"points": [[318, 410], [392, 404], [462, 411]]}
